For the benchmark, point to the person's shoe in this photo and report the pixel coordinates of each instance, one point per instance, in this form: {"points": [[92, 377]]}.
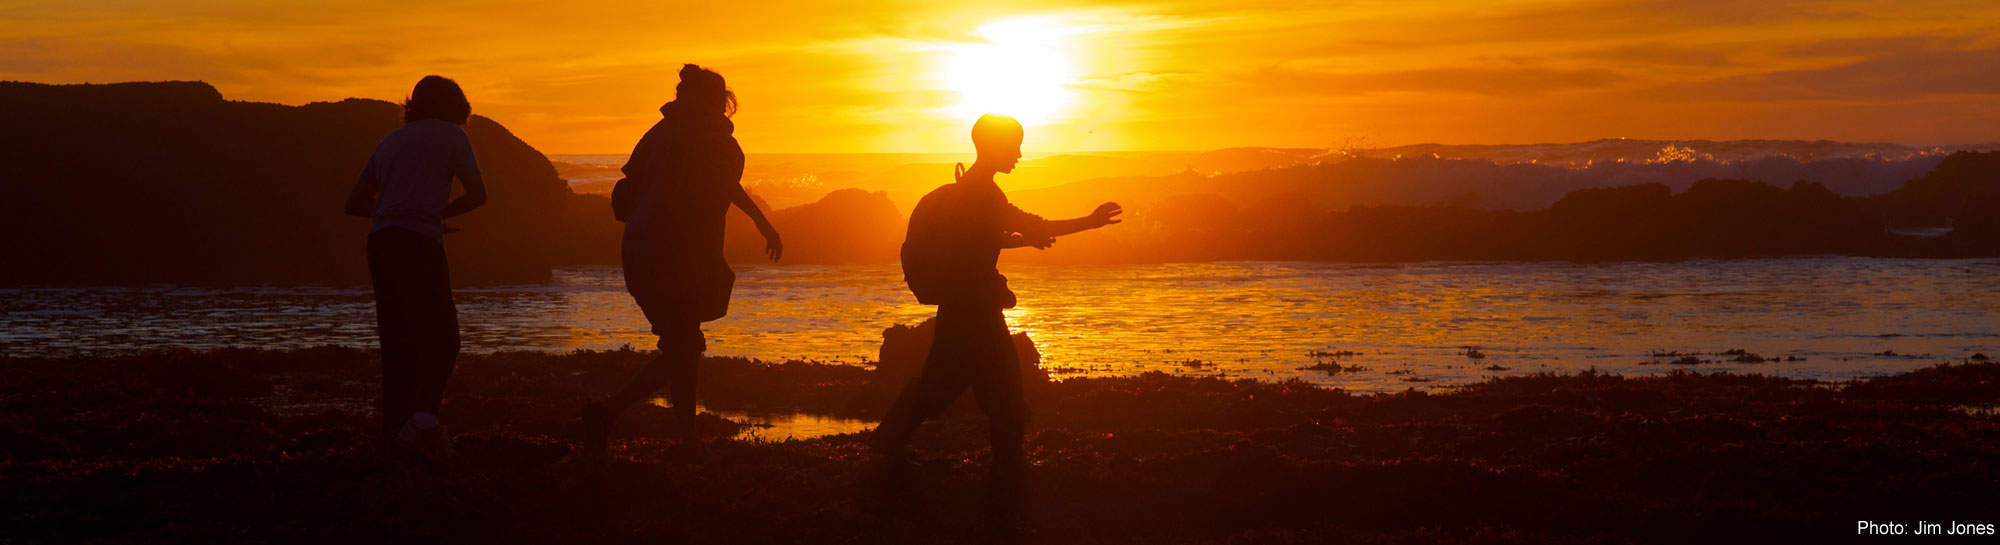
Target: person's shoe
{"points": [[596, 431], [433, 445]]}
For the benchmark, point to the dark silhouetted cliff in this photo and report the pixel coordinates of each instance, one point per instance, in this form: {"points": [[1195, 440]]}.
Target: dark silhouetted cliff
{"points": [[1339, 182], [1962, 194], [169, 182], [845, 226], [1711, 219]]}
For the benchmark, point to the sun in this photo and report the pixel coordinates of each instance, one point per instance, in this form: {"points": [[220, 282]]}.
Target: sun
{"points": [[1019, 70]]}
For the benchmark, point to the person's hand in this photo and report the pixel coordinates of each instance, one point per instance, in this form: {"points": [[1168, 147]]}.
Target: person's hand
{"points": [[772, 246], [1107, 214], [1042, 244], [448, 229]]}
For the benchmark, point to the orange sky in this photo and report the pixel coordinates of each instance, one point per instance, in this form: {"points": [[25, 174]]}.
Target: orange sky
{"points": [[586, 76]]}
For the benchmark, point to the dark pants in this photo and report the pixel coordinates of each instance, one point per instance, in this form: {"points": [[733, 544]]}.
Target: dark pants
{"points": [[971, 348], [416, 319]]}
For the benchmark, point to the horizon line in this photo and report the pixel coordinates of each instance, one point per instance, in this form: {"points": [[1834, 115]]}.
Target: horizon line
{"points": [[1914, 144]]}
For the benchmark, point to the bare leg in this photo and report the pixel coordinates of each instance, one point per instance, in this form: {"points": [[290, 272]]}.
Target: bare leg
{"points": [[650, 379], [681, 380], [681, 347]]}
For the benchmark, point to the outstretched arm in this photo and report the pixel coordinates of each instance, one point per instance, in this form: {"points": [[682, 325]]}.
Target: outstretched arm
{"points": [[773, 247], [1039, 230]]}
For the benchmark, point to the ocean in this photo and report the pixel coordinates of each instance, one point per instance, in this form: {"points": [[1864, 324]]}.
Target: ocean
{"points": [[1364, 327]]}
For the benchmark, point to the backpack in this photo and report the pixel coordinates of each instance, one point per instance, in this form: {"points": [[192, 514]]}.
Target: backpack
{"points": [[924, 257], [928, 260], [925, 273], [623, 197]]}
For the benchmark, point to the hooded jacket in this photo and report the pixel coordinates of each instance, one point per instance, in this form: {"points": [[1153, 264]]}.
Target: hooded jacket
{"points": [[682, 173]]}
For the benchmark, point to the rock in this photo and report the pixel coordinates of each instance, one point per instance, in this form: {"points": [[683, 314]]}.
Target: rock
{"points": [[905, 347]]}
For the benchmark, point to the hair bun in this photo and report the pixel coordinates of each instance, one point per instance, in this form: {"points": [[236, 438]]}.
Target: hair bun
{"points": [[690, 70]]}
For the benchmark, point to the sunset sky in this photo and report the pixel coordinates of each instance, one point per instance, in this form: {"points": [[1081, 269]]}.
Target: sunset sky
{"points": [[586, 77]]}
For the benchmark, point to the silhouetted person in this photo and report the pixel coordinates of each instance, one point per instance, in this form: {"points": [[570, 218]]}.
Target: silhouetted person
{"points": [[406, 190], [678, 186], [949, 260]]}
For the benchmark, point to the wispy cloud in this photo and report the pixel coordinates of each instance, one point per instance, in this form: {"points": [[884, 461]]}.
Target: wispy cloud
{"points": [[828, 76]]}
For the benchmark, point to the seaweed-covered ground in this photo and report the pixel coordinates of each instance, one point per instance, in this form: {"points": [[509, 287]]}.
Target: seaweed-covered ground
{"points": [[266, 446]]}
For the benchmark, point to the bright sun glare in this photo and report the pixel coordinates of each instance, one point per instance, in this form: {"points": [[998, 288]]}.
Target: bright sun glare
{"points": [[1018, 71]]}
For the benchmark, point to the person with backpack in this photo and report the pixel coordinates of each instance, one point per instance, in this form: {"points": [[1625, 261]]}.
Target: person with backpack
{"points": [[679, 184], [949, 259], [405, 190]]}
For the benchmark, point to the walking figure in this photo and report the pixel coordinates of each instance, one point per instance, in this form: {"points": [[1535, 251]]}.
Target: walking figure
{"points": [[950, 260], [678, 186], [406, 190]]}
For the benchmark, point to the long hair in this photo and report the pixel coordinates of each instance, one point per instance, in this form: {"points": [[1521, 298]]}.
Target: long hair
{"points": [[437, 97], [705, 88]]}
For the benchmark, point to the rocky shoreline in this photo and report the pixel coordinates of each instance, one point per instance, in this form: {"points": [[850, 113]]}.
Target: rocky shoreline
{"points": [[272, 446]]}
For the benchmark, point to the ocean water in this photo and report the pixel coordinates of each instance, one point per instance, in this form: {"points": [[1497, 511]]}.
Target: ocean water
{"points": [[1413, 325]]}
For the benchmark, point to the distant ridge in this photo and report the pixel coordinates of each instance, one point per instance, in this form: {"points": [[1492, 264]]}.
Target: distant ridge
{"points": [[1849, 168], [169, 182], [1642, 151]]}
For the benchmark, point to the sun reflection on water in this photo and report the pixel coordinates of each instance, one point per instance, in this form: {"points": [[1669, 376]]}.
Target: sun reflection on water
{"points": [[1376, 328], [779, 427]]}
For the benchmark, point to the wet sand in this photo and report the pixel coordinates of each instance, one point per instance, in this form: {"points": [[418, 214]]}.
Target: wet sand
{"points": [[272, 446]]}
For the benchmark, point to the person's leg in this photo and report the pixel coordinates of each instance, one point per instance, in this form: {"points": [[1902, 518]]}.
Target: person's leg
{"points": [[681, 346], [944, 376], [650, 379], [996, 380], [682, 378], [437, 320], [997, 383], [388, 271]]}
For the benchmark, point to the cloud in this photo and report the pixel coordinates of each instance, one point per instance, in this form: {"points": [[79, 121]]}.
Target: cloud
{"points": [[1872, 46], [72, 60], [1668, 55], [1896, 75], [1135, 82], [1176, 74], [1478, 80]]}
